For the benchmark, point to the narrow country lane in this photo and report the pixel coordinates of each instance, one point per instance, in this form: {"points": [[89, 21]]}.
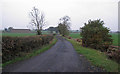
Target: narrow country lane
{"points": [[62, 57]]}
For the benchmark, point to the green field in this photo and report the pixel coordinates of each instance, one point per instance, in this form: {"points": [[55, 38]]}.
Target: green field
{"points": [[22, 34], [114, 37], [75, 35], [18, 34]]}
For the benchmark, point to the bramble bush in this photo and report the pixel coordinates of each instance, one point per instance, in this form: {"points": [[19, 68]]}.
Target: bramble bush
{"points": [[13, 47]]}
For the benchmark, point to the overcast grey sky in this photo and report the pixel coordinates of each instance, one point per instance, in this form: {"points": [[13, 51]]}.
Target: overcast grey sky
{"points": [[15, 13]]}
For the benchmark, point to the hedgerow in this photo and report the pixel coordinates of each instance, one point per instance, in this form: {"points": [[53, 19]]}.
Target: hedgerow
{"points": [[13, 47]]}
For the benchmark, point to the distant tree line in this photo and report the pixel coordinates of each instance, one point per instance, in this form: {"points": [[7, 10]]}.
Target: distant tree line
{"points": [[52, 29]]}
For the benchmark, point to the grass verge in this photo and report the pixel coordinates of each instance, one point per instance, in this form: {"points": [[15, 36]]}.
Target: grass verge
{"points": [[96, 57], [33, 53]]}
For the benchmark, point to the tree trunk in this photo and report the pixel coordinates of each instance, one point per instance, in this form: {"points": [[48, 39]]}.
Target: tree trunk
{"points": [[39, 32]]}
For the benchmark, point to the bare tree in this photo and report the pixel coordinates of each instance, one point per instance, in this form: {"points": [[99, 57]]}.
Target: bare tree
{"points": [[37, 20]]}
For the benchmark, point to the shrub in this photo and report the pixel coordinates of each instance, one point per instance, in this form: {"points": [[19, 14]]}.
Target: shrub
{"points": [[78, 40], [13, 47], [114, 53], [69, 37], [95, 35]]}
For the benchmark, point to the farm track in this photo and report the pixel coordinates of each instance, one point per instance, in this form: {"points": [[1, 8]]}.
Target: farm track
{"points": [[60, 58]]}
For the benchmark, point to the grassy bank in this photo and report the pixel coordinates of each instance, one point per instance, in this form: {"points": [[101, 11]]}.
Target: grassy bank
{"points": [[96, 57], [31, 54]]}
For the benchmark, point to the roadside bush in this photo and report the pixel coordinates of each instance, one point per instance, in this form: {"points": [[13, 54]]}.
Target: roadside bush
{"points": [[12, 47], [78, 40], [95, 35], [69, 37], [114, 53]]}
